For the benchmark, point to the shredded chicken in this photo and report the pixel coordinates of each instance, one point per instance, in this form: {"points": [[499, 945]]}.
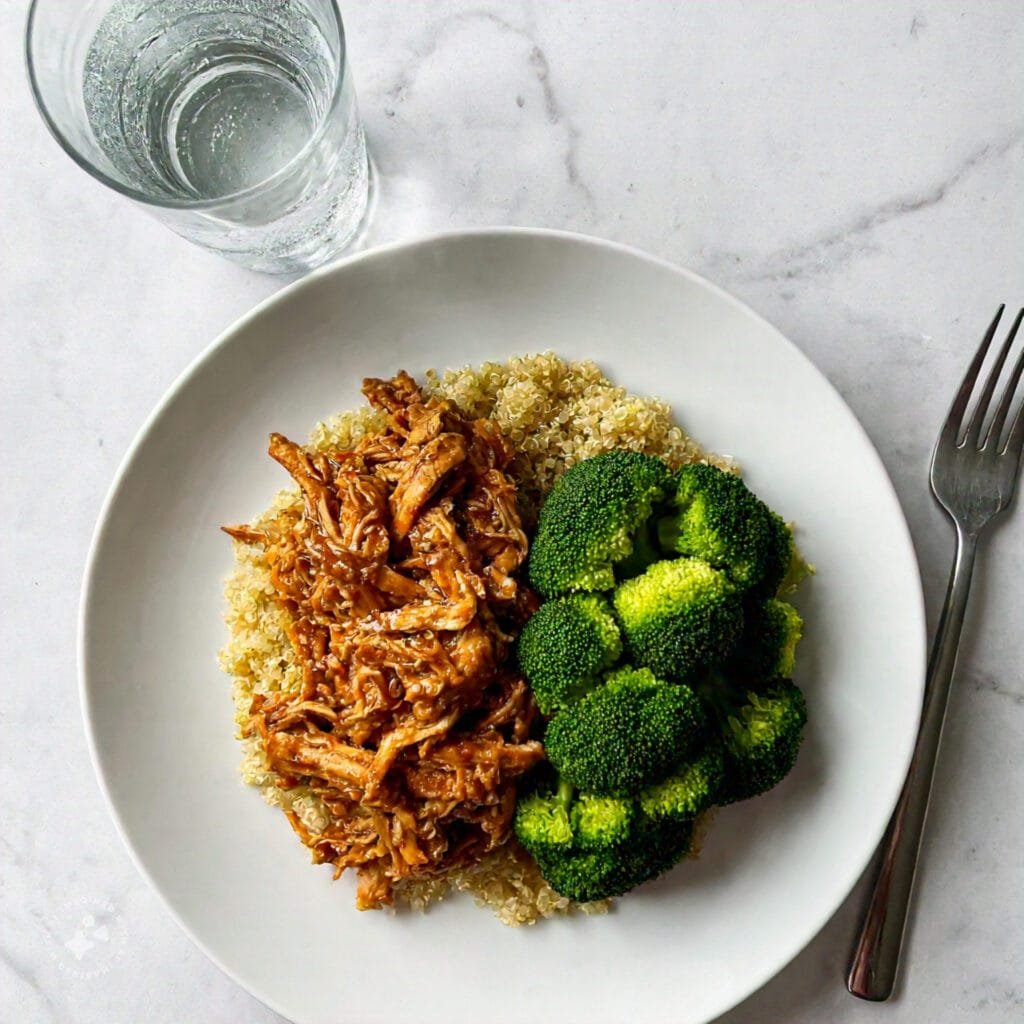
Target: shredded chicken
{"points": [[400, 580]]}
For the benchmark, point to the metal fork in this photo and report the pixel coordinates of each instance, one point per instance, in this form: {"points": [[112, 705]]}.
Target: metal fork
{"points": [[973, 477]]}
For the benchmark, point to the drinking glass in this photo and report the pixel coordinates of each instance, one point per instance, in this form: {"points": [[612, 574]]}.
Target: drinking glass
{"points": [[233, 121]]}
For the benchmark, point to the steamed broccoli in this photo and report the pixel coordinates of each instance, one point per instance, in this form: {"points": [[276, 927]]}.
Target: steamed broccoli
{"points": [[625, 734], [599, 873], [718, 519], [601, 821], [565, 646], [554, 816], [762, 740], [589, 522], [767, 649], [680, 617], [697, 565], [542, 819], [591, 847], [693, 787]]}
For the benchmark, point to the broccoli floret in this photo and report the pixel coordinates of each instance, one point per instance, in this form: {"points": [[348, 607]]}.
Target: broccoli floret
{"points": [[693, 787], [762, 740], [554, 816], [565, 647], [718, 519], [593, 847], [680, 617], [542, 819], [625, 734], [600, 821], [590, 519], [767, 649], [650, 850]]}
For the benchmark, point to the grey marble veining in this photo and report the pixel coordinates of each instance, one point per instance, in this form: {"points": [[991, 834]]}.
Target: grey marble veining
{"points": [[853, 171]]}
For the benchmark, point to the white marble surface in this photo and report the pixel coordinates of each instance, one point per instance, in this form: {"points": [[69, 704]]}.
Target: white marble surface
{"points": [[855, 172]]}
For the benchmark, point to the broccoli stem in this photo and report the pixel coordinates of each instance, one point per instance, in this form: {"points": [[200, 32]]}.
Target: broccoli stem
{"points": [[566, 791], [644, 553], [667, 529], [716, 693]]}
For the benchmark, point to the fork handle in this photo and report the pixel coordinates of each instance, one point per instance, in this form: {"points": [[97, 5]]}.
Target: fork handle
{"points": [[877, 952]]}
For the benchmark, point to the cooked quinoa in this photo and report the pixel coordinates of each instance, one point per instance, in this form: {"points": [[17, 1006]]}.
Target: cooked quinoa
{"points": [[555, 413]]}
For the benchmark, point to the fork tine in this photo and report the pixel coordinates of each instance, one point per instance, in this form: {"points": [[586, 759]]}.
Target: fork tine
{"points": [[1015, 442], [955, 417], [1003, 409], [972, 435]]}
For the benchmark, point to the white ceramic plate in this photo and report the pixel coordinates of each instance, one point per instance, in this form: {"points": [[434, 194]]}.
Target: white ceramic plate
{"points": [[685, 948]]}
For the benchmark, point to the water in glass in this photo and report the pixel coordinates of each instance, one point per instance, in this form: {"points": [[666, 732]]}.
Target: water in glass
{"points": [[200, 100]]}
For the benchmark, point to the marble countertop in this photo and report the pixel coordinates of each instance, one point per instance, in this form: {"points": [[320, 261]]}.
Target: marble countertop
{"points": [[854, 172]]}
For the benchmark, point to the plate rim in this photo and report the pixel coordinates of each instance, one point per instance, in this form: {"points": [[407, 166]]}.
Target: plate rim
{"points": [[758, 979]]}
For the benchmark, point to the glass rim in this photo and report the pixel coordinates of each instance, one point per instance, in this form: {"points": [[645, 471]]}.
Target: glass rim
{"points": [[168, 202]]}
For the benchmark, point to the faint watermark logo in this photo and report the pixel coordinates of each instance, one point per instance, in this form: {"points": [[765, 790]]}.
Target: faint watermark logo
{"points": [[89, 937]]}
